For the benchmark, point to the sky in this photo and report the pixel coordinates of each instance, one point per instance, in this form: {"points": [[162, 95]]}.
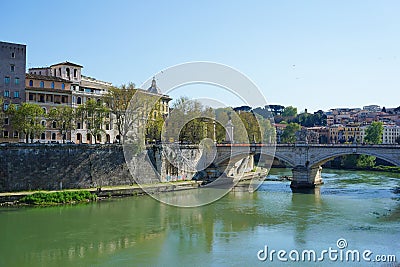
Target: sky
{"points": [[308, 54]]}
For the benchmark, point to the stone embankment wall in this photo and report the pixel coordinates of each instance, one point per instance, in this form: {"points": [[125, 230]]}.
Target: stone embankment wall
{"points": [[68, 166], [59, 166]]}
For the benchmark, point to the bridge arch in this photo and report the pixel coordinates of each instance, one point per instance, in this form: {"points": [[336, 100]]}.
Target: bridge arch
{"points": [[236, 156], [325, 158]]}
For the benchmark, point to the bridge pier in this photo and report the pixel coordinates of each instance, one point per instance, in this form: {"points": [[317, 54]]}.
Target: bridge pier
{"points": [[306, 177]]}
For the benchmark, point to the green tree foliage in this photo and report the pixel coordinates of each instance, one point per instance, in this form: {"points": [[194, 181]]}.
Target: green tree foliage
{"points": [[358, 161], [349, 161], [268, 131], [365, 162], [154, 126], [310, 120], [373, 134], [289, 133], [240, 132], [26, 118], [64, 117], [289, 112], [189, 122], [94, 114]]}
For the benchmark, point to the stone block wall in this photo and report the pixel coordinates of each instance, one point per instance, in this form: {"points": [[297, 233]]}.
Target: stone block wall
{"points": [[54, 167]]}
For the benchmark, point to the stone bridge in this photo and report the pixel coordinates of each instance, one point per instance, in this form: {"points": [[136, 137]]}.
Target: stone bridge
{"points": [[305, 159]]}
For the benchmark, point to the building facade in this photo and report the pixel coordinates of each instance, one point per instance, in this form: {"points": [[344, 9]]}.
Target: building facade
{"points": [[48, 92], [12, 83]]}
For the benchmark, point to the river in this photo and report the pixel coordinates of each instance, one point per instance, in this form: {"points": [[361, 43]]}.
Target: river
{"points": [[362, 208]]}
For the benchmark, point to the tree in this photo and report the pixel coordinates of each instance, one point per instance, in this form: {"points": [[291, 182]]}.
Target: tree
{"points": [[289, 133], [275, 109], [93, 113], [27, 118], [365, 162], [188, 121], [117, 100], [373, 134], [64, 117], [289, 112], [154, 126], [268, 131]]}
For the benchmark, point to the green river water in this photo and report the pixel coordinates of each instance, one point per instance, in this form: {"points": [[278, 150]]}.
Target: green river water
{"points": [[361, 207]]}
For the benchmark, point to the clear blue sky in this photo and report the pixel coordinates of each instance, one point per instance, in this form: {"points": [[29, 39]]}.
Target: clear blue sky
{"points": [[309, 54]]}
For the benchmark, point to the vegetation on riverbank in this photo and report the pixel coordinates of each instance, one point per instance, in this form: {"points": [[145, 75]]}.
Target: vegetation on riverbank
{"points": [[395, 169], [61, 197]]}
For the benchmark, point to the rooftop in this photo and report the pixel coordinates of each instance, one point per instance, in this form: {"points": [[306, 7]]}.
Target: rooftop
{"points": [[67, 63], [45, 78]]}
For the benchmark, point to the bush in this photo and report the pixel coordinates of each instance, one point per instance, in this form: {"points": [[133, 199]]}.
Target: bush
{"points": [[61, 197]]}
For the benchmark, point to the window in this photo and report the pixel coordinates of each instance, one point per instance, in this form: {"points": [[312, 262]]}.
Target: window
{"points": [[12, 55], [63, 86], [53, 136], [5, 106], [75, 73], [16, 94], [12, 68], [43, 136], [5, 134], [6, 93], [44, 123], [16, 135], [6, 121], [79, 101], [16, 81], [52, 85], [6, 80], [79, 125], [54, 124], [41, 84], [31, 97], [59, 71], [45, 110], [68, 73], [30, 83]]}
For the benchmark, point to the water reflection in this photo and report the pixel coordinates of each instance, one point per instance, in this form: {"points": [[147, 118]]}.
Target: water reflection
{"points": [[142, 231]]}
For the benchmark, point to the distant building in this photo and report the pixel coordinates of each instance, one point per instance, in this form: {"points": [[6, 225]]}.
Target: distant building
{"points": [[12, 82], [323, 134], [372, 108], [344, 134]]}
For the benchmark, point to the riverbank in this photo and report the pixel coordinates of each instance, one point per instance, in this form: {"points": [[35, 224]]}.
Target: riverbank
{"points": [[13, 198]]}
